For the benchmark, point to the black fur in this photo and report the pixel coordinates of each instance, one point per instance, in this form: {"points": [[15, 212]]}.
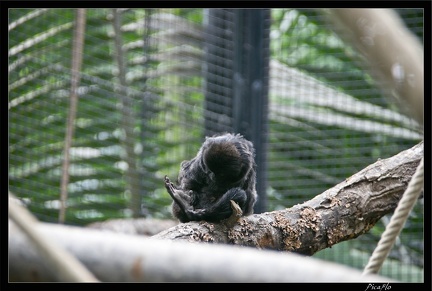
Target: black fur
{"points": [[224, 169]]}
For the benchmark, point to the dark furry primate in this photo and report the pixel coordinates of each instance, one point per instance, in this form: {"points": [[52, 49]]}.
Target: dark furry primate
{"points": [[224, 169]]}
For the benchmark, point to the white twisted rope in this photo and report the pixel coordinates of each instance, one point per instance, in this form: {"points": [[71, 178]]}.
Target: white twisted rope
{"points": [[397, 222]]}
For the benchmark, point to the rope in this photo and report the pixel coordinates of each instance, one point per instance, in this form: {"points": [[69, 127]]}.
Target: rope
{"points": [[397, 222]]}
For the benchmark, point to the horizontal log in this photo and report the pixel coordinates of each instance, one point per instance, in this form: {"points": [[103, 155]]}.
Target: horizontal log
{"points": [[116, 257]]}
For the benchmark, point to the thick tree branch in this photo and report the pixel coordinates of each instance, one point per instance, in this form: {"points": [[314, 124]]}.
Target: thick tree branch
{"points": [[343, 212]]}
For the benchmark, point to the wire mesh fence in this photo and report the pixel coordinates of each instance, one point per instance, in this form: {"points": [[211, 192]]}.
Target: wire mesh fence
{"points": [[154, 82]]}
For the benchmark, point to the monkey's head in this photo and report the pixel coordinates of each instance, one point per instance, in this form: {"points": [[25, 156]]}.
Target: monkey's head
{"points": [[229, 157]]}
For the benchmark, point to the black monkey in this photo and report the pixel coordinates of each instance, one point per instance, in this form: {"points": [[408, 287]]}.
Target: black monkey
{"points": [[224, 169]]}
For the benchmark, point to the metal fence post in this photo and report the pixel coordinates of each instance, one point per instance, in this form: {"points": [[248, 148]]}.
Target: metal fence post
{"points": [[250, 87], [236, 82]]}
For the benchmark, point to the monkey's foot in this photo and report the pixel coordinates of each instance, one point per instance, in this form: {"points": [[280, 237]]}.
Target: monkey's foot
{"points": [[181, 197], [169, 186]]}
